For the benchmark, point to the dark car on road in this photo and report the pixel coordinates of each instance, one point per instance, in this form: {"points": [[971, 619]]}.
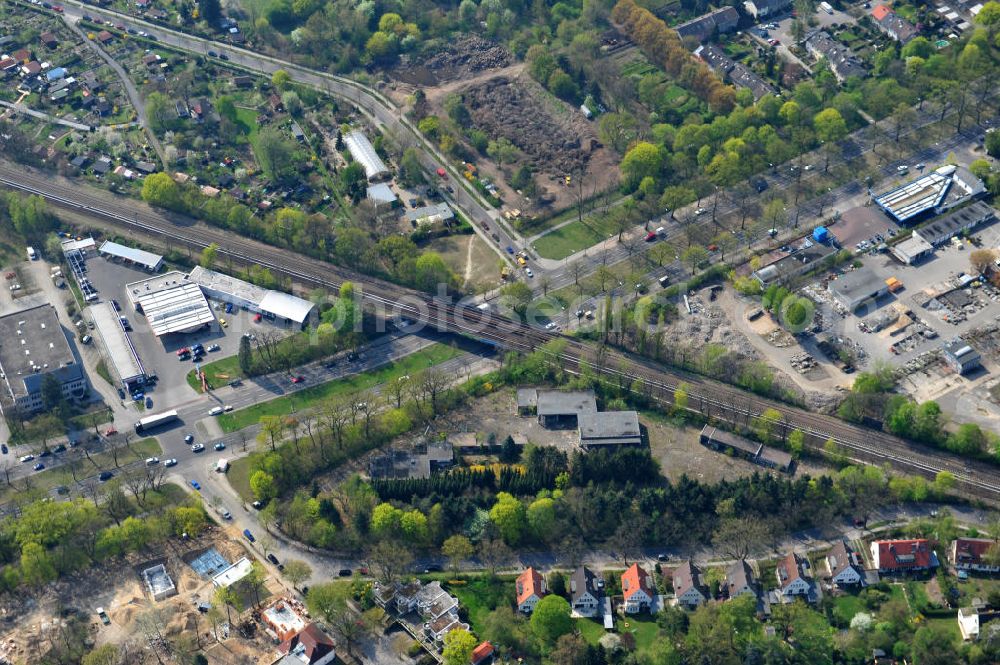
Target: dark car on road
{"points": [[344, 572], [273, 559], [105, 476]]}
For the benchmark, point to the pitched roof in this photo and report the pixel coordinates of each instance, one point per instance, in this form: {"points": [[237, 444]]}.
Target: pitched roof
{"points": [[839, 558], [529, 583], [971, 550], [481, 652], [738, 576], [314, 642], [583, 580], [788, 569], [635, 579], [903, 554], [687, 577], [881, 12]]}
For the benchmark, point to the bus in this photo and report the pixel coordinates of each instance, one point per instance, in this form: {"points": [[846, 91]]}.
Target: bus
{"points": [[152, 422]]}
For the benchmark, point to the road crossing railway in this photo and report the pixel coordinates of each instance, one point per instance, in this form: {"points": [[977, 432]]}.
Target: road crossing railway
{"points": [[707, 397]]}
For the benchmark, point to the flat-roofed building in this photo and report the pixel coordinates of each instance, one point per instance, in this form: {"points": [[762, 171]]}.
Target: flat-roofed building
{"points": [[856, 288], [609, 428], [941, 230], [33, 346], [363, 152], [233, 574], [961, 357], [123, 359], [943, 188], [179, 308], [273, 305], [140, 257], [560, 410], [912, 250]]}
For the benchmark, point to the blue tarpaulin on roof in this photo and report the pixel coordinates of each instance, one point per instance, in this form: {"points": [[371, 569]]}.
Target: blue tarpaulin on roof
{"points": [[820, 234]]}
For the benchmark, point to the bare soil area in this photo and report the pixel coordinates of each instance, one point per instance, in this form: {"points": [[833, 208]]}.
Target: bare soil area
{"points": [[32, 618], [457, 60]]}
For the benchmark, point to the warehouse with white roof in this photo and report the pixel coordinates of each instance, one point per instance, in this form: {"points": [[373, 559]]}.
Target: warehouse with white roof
{"points": [[364, 153], [131, 255], [171, 303], [118, 347], [273, 305]]}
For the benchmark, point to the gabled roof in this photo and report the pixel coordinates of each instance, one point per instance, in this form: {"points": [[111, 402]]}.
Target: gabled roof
{"points": [[583, 580], [789, 569], [481, 652], [315, 644], [687, 577], [529, 583], [738, 576], [881, 12], [971, 550], [901, 554], [840, 559], [635, 579]]}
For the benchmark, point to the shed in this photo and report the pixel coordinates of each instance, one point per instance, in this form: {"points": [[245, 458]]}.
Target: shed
{"points": [[140, 257], [820, 234], [381, 194]]}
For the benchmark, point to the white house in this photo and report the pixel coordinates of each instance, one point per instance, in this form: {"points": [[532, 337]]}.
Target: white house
{"points": [[791, 582], [530, 586], [843, 566], [637, 591], [688, 588], [585, 592]]}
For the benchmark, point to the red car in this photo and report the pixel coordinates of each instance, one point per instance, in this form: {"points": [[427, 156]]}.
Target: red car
{"points": [[256, 318], [183, 350], [57, 9], [111, 431], [651, 236], [441, 172], [297, 379]]}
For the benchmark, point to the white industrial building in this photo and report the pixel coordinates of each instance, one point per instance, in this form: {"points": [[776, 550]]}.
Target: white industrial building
{"points": [[131, 255], [273, 305], [364, 153], [233, 573], [171, 303], [118, 348]]}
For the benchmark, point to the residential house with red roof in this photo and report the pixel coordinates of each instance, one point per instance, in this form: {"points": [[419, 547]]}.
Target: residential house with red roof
{"points": [[688, 587], [482, 654], [637, 590], [310, 646], [893, 25], [902, 556], [970, 554], [530, 587], [792, 582]]}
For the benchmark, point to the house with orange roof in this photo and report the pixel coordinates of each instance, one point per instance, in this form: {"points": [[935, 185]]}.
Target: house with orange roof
{"points": [[893, 25], [792, 582], [530, 586], [482, 654], [637, 590]]}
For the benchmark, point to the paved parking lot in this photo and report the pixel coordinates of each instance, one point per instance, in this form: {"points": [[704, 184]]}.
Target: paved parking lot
{"points": [[861, 224], [158, 354]]}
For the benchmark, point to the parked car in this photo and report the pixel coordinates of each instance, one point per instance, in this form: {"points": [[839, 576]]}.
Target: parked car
{"points": [[298, 379], [105, 476], [273, 559], [216, 410], [152, 461], [198, 447], [220, 446], [188, 438], [195, 484], [249, 536], [344, 572], [235, 383], [61, 448], [214, 347], [39, 467], [3, 448], [149, 402], [170, 462]]}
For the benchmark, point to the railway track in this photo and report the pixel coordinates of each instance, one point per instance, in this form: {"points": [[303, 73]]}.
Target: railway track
{"points": [[707, 397]]}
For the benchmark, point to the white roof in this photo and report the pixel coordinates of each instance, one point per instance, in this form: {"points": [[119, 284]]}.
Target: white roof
{"points": [[952, 16], [975, 9], [120, 351], [381, 193], [82, 244], [233, 573], [181, 308], [140, 256], [286, 306], [235, 288], [364, 153], [916, 196]]}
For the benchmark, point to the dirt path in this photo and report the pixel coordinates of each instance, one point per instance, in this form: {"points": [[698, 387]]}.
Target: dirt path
{"points": [[467, 276], [439, 92]]}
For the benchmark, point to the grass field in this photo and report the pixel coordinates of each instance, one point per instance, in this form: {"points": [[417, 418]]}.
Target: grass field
{"points": [[239, 477], [218, 372], [481, 595], [845, 607], [574, 237], [46, 480], [310, 397]]}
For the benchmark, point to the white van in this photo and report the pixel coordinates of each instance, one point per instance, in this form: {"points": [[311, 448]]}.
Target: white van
{"points": [[32, 254]]}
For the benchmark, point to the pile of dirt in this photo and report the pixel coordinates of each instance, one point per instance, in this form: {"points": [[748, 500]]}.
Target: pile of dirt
{"points": [[460, 58], [512, 109]]}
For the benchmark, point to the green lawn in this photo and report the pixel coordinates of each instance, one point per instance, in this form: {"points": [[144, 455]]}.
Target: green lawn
{"points": [[567, 240], [310, 397], [845, 607], [46, 480], [481, 595], [218, 372], [591, 630], [238, 476], [247, 118]]}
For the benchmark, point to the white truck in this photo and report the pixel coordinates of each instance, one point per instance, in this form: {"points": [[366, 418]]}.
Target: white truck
{"points": [[32, 254], [825, 6]]}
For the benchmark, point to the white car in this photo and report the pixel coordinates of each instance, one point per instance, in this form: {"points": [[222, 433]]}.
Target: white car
{"points": [[171, 462], [151, 461], [27, 458], [527, 271], [807, 167], [227, 408], [550, 325], [215, 411], [198, 447], [700, 211]]}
